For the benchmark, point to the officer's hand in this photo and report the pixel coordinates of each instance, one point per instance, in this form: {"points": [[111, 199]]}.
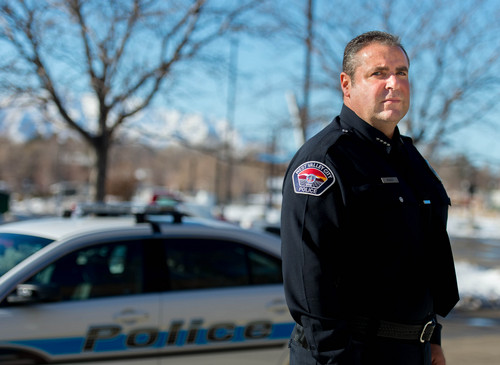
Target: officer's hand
{"points": [[437, 355]]}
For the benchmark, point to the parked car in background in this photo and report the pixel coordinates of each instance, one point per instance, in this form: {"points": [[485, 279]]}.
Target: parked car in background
{"points": [[165, 289]]}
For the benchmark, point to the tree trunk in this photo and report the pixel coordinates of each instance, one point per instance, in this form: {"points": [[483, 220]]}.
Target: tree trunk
{"points": [[101, 149], [304, 110]]}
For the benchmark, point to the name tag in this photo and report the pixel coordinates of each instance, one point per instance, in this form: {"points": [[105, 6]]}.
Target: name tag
{"points": [[389, 180]]}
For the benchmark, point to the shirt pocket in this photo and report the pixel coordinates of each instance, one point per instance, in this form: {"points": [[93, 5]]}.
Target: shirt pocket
{"points": [[382, 196], [384, 209]]}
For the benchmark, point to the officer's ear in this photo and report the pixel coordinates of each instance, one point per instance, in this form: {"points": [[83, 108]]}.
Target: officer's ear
{"points": [[345, 84]]}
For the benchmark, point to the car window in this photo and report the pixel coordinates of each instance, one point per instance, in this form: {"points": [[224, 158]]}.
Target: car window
{"points": [[101, 270], [264, 269], [204, 263], [16, 247]]}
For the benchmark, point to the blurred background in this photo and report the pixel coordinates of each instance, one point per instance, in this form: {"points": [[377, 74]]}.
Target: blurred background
{"points": [[206, 101]]}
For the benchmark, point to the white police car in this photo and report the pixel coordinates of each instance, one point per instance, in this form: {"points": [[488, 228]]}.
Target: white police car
{"points": [[113, 291]]}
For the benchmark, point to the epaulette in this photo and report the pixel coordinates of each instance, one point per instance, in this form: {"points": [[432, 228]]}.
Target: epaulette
{"points": [[331, 134]]}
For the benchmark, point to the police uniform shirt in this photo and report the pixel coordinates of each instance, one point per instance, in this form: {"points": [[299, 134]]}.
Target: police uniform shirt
{"points": [[363, 233]]}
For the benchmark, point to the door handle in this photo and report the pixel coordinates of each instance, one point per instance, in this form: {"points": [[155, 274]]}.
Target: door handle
{"points": [[277, 305], [130, 316]]}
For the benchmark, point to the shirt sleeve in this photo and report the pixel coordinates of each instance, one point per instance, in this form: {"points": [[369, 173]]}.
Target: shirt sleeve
{"points": [[311, 243]]}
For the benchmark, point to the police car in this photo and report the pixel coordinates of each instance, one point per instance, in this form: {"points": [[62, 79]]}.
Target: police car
{"points": [[125, 290]]}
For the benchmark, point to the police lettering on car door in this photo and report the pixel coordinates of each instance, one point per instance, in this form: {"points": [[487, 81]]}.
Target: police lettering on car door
{"points": [[180, 333]]}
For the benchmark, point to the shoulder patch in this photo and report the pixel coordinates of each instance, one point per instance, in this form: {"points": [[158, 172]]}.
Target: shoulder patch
{"points": [[312, 178]]}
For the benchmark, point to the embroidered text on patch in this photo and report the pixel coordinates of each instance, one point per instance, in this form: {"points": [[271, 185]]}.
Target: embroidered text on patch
{"points": [[312, 178]]}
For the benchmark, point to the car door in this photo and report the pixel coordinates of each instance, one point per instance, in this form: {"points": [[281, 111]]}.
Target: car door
{"points": [[223, 295], [103, 312]]}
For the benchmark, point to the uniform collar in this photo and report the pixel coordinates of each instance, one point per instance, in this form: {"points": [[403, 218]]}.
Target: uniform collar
{"points": [[351, 122]]}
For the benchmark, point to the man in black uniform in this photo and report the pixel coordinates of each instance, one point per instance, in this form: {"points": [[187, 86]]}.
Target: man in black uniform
{"points": [[367, 261]]}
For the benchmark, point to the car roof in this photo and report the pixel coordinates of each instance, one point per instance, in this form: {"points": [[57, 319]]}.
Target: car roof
{"points": [[57, 228]]}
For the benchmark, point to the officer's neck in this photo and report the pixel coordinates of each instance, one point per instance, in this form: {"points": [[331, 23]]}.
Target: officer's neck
{"points": [[385, 127]]}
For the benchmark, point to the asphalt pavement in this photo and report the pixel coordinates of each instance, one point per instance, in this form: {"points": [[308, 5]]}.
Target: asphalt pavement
{"points": [[472, 337]]}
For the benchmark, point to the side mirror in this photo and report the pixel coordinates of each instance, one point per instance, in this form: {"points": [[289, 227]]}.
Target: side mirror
{"points": [[33, 293]]}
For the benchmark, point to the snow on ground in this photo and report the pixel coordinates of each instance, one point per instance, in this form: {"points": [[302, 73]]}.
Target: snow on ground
{"points": [[478, 286], [475, 226]]}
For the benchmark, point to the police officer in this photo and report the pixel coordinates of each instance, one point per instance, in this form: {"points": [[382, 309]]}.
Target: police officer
{"points": [[367, 261]]}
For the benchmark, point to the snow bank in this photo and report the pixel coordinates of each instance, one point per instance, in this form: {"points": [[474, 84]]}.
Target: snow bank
{"points": [[479, 287]]}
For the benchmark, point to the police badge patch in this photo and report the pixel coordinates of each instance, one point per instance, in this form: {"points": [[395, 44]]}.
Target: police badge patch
{"points": [[312, 178]]}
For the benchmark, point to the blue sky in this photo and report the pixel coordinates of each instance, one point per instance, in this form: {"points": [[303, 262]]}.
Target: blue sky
{"points": [[269, 69], [261, 105]]}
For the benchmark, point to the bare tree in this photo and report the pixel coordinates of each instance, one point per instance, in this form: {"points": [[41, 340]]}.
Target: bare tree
{"points": [[294, 23], [123, 53], [454, 49]]}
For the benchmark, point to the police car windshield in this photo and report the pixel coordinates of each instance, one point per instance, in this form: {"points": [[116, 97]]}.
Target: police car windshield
{"points": [[14, 248]]}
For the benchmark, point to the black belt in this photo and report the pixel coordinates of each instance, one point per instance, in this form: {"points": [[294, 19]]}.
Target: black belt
{"points": [[366, 327], [412, 332]]}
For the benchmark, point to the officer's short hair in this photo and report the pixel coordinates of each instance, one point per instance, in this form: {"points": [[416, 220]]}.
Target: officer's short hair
{"points": [[349, 63]]}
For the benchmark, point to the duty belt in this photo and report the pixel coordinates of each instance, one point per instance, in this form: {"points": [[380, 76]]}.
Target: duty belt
{"points": [[365, 327]]}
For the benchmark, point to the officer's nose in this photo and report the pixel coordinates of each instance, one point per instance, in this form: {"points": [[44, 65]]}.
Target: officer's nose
{"points": [[392, 82]]}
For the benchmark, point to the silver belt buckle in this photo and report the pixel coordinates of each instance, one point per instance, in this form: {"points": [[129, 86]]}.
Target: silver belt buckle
{"points": [[430, 323]]}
